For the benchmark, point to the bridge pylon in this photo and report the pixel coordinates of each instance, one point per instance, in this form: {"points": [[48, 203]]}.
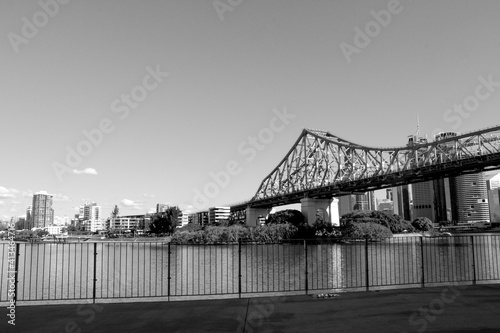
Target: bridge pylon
{"points": [[253, 215], [326, 209]]}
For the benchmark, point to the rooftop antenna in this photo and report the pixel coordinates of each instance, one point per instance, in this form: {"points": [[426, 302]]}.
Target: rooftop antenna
{"points": [[418, 127]]}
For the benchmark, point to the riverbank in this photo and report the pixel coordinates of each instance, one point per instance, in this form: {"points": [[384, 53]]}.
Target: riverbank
{"points": [[94, 240]]}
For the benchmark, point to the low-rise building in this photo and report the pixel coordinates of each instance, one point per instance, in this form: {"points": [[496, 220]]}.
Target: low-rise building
{"points": [[200, 218], [218, 215], [129, 223], [54, 229]]}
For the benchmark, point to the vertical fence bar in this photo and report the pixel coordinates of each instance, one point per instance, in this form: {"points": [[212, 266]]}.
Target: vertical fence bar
{"points": [[306, 273], [422, 269], [473, 261], [239, 268], [367, 267], [169, 276], [16, 273], [95, 272]]}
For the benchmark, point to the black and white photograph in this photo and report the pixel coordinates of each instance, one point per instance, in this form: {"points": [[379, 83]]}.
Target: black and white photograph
{"points": [[249, 166]]}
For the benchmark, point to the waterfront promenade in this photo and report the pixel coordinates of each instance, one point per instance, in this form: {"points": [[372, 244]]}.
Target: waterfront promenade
{"points": [[464, 308]]}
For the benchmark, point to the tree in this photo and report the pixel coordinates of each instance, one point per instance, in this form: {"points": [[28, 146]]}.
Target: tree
{"points": [[165, 222], [291, 216], [71, 228], [114, 215], [496, 217], [40, 233], [115, 212], [422, 224]]}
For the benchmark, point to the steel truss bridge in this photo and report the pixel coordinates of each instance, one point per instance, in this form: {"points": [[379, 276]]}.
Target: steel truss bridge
{"points": [[322, 165]]}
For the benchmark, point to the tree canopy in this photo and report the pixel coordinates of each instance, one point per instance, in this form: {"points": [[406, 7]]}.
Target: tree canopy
{"points": [[422, 224], [291, 216], [115, 212], [165, 222]]}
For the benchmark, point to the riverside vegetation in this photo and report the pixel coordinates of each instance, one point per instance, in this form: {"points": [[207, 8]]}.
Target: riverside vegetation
{"points": [[290, 224]]}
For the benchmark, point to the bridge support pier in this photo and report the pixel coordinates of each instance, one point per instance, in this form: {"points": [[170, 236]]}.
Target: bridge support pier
{"points": [[327, 209], [254, 214]]}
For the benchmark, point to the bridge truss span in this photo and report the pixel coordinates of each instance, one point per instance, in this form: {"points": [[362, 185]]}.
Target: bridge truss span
{"points": [[321, 164]]}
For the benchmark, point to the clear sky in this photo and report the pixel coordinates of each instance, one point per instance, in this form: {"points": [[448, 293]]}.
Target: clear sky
{"points": [[172, 91]]}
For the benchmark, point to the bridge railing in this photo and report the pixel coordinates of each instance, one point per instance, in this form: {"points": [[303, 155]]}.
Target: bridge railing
{"points": [[136, 270]]}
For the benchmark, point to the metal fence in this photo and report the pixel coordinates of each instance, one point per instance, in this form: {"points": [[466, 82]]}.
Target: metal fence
{"points": [[108, 270]]}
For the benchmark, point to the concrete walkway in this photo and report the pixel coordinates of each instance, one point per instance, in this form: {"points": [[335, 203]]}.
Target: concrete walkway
{"points": [[437, 309]]}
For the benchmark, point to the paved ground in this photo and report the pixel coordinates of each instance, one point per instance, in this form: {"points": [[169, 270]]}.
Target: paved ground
{"points": [[438, 309]]}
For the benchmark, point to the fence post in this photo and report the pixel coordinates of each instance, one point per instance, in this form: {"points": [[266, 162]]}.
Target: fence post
{"points": [[306, 273], [422, 267], [239, 268], [16, 274], [367, 267], [473, 261], [169, 277], [95, 273]]}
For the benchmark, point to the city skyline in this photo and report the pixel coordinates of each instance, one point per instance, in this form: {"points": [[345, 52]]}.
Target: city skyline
{"points": [[131, 104]]}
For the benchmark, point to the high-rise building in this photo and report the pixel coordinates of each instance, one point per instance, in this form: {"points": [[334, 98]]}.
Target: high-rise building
{"points": [[423, 200], [494, 182], [462, 198], [494, 204], [445, 199], [90, 211], [493, 187], [354, 202], [29, 222], [472, 198], [42, 211], [161, 208], [402, 198]]}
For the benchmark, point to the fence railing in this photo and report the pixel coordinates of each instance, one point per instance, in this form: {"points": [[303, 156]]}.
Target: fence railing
{"points": [[106, 270]]}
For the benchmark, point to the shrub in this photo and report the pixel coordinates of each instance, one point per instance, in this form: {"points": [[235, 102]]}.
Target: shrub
{"points": [[369, 230], [272, 233], [232, 234], [188, 237], [391, 221], [422, 224], [190, 227], [325, 229], [216, 235]]}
